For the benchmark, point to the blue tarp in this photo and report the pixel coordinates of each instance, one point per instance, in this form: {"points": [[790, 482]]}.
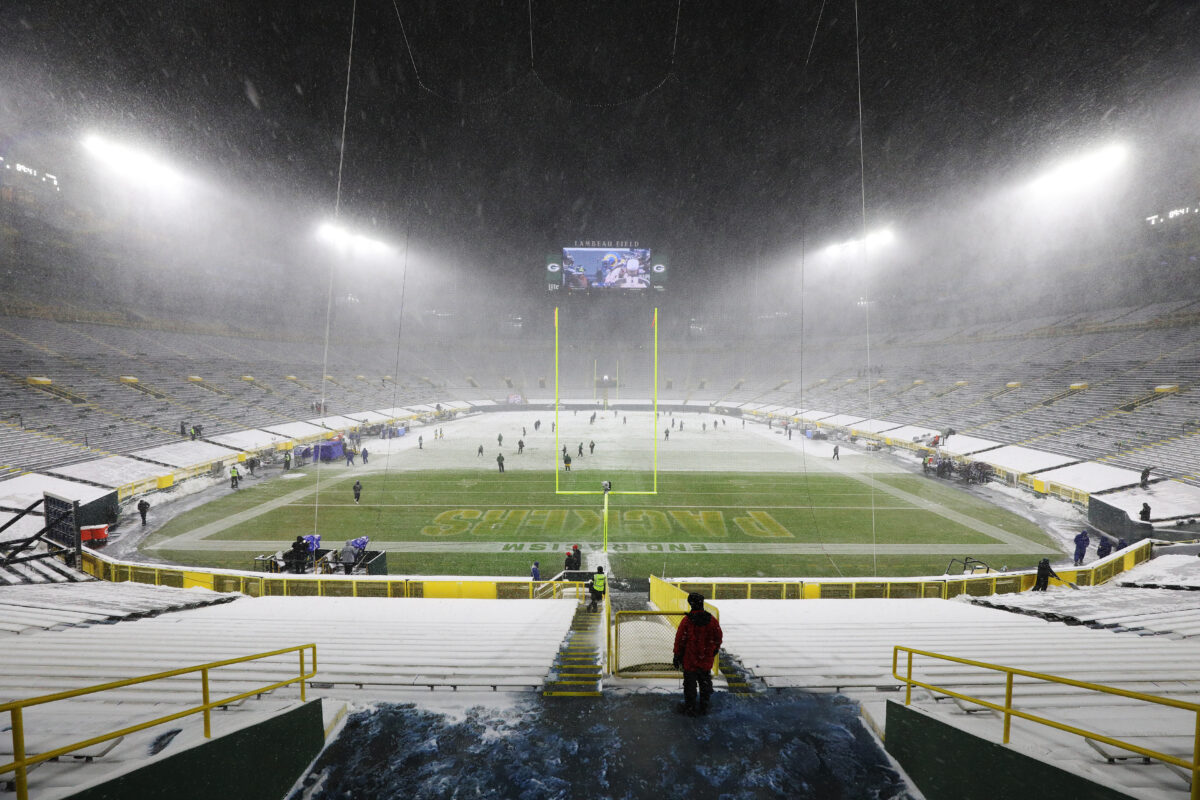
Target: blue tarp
{"points": [[327, 451]]}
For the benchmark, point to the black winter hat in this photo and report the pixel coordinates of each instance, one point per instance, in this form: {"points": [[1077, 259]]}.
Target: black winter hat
{"points": [[696, 600]]}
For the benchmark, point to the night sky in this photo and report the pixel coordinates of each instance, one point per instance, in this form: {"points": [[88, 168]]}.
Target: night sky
{"points": [[500, 131]]}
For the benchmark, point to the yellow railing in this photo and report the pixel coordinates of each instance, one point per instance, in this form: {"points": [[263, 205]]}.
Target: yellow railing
{"points": [[22, 762], [941, 586], [1009, 711], [256, 584]]}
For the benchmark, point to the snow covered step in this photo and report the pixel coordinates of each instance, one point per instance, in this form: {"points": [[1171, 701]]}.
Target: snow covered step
{"points": [[360, 641], [48, 570]]}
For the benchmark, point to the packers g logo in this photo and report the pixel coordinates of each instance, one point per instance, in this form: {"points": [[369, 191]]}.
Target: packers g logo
{"points": [[553, 267], [659, 268]]}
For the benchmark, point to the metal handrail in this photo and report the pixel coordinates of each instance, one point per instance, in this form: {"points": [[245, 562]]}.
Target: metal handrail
{"points": [[1009, 712], [22, 762], [555, 589]]}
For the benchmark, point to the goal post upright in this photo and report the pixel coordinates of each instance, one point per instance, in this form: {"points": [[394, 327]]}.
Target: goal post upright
{"points": [[654, 404], [653, 418], [554, 455]]}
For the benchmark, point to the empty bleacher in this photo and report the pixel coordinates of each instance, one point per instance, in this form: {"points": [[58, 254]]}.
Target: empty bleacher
{"points": [[847, 646], [937, 379], [367, 650]]}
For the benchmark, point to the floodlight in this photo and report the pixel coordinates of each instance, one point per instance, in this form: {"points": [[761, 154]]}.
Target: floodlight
{"points": [[875, 239], [132, 164], [1081, 172], [880, 237], [352, 242]]}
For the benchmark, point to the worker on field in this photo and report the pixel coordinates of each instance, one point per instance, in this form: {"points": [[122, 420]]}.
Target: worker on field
{"points": [[697, 641], [234, 477], [596, 586]]}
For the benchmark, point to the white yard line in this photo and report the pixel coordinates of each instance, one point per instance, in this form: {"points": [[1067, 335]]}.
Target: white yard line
{"points": [[731, 448]]}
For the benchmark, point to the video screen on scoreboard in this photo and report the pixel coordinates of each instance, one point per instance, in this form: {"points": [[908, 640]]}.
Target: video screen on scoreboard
{"points": [[608, 269]]}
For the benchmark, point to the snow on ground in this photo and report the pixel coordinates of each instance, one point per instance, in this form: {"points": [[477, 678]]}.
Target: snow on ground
{"points": [[1089, 476], [1165, 570], [23, 490], [1168, 500], [186, 453], [113, 471], [1022, 459], [964, 444], [624, 440]]}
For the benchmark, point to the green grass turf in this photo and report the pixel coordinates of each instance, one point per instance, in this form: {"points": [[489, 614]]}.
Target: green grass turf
{"points": [[690, 507]]}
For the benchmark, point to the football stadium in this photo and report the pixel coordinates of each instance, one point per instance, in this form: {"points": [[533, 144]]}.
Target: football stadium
{"points": [[768, 400]]}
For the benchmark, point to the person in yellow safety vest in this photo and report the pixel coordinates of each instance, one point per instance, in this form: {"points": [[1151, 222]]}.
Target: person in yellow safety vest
{"points": [[233, 477], [597, 585]]}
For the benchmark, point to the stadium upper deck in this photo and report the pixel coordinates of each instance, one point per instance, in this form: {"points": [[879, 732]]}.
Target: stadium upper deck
{"points": [[1117, 387]]}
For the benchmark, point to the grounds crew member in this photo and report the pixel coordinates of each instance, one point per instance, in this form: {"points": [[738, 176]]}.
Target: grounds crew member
{"points": [[143, 508], [1044, 573], [697, 641], [234, 476], [596, 586], [357, 491], [1081, 545]]}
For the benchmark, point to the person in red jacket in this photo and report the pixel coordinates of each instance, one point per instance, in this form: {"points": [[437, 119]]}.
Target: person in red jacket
{"points": [[696, 644]]}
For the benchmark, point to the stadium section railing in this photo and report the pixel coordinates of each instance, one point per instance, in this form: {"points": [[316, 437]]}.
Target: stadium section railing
{"points": [[22, 761], [1008, 710], [943, 587], [258, 585]]}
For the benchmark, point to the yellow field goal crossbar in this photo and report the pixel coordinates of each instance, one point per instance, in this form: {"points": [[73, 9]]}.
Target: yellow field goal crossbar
{"points": [[22, 762], [1192, 766]]}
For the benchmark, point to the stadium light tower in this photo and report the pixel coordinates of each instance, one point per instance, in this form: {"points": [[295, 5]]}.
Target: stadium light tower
{"points": [[1080, 173], [349, 242], [132, 165], [874, 241]]}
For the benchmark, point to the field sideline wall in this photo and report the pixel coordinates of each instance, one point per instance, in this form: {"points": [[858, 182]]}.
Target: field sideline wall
{"points": [[943, 587], [262, 585], [1029, 481], [665, 594]]}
